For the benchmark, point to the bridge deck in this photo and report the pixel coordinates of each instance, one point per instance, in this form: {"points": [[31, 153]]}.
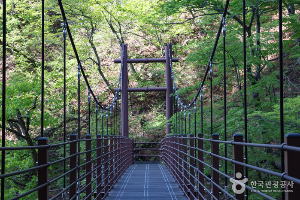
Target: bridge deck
{"points": [[146, 181]]}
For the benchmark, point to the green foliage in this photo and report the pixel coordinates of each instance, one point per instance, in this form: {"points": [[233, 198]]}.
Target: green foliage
{"points": [[99, 26]]}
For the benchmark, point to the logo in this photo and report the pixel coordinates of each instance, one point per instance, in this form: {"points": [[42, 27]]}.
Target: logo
{"points": [[238, 182]]}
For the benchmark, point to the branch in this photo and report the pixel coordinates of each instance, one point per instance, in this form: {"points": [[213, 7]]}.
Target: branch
{"points": [[29, 59]]}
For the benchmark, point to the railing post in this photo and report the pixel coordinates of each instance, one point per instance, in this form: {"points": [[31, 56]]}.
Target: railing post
{"points": [[88, 168], [200, 167], [177, 158], [128, 153], [105, 160], [292, 165], [238, 155], [111, 162], [166, 152], [180, 169], [125, 153], [163, 155], [215, 164], [99, 167], [119, 156], [161, 151], [43, 193], [185, 182], [191, 167], [73, 162], [172, 155], [132, 151], [115, 158]]}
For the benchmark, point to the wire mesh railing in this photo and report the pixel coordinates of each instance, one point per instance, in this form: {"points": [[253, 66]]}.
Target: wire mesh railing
{"points": [[186, 157], [94, 164]]}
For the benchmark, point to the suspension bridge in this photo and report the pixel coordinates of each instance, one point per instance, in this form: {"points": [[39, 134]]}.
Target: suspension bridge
{"points": [[105, 168]]}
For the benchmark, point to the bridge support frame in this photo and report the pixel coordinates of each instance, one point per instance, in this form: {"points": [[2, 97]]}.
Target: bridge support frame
{"points": [[125, 89]]}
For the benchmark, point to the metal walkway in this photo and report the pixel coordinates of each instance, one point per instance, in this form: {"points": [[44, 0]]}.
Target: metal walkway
{"points": [[146, 181]]}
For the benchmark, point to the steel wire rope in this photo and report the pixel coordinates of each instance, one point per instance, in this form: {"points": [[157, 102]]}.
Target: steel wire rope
{"points": [[225, 100], [79, 62], [3, 97], [65, 99], [245, 87], [207, 68]]}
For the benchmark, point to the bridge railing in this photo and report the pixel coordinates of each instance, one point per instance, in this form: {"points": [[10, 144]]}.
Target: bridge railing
{"points": [[152, 152], [185, 157], [91, 179]]}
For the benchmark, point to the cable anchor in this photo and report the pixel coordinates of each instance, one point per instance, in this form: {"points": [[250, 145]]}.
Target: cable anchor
{"points": [[79, 64], [210, 71], [224, 26]]}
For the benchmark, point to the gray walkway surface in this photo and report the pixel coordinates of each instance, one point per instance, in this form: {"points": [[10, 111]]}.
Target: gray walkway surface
{"points": [[146, 182]]}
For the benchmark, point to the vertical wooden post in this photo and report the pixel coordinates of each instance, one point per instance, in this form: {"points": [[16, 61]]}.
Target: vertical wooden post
{"points": [[292, 165], [99, 168], [191, 166], [43, 193], [124, 97], [88, 168], [111, 162], [172, 155], [177, 158], [168, 55], [73, 162], [185, 182], [105, 160], [115, 158], [180, 168], [215, 164], [119, 156], [200, 167], [132, 153], [238, 155]]}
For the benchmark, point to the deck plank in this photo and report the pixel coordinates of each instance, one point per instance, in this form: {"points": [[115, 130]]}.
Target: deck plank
{"points": [[146, 182]]}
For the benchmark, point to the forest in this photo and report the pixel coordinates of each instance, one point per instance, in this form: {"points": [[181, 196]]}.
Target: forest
{"points": [[99, 27]]}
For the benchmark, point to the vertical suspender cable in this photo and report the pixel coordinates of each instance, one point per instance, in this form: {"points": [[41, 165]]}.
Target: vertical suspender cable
{"points": [[114, 119], [211, 100], [185, 121], [89, 105], [174, 109], [281, 89], [96, 119], [107, 122], [3, 96], [43, 65], [225, 96], [176, 116], [102, 123], [189, 121], [65, 113], [201, 99], [78, 121], [117, 112], [245, 87], [195, 120]]}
